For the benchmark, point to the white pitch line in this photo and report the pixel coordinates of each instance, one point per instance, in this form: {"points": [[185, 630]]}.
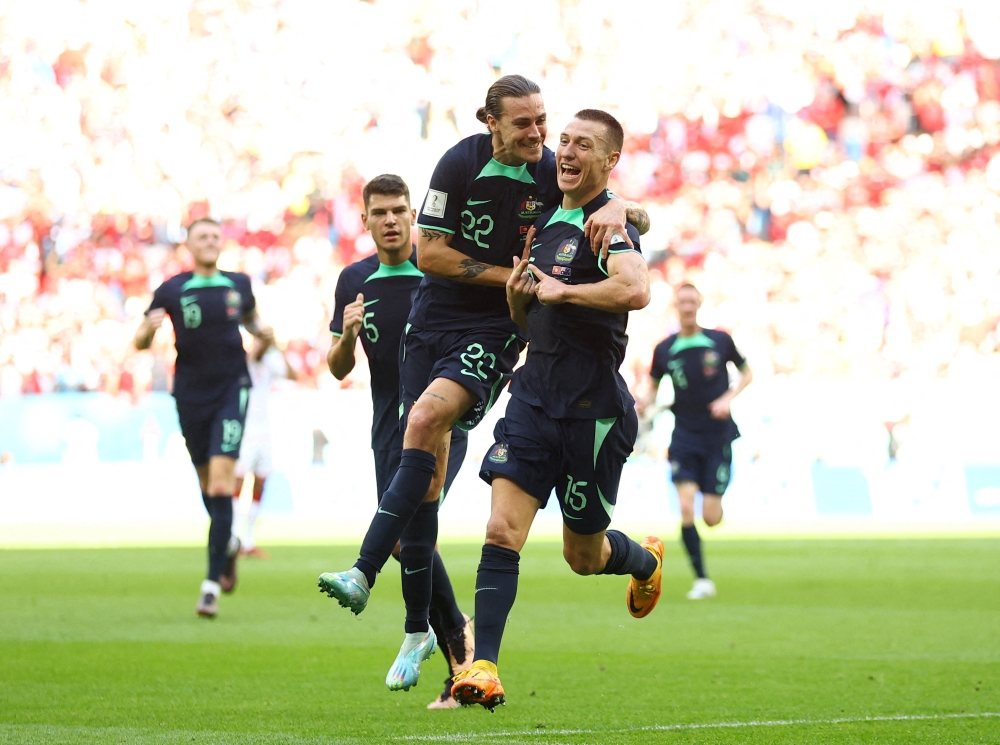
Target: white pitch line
{"points": [[711, 725]]}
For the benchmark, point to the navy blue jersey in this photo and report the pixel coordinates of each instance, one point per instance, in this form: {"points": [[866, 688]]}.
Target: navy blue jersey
{"points": [[575, 352], [487, 208], [206, 313], [388, 292], [697, 366]]}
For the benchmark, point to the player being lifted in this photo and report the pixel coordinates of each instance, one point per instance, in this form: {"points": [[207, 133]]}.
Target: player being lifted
{"points": [[211, 385], [571, 422], [460, 345], [700, 448], [266, 364], [373, 300]]}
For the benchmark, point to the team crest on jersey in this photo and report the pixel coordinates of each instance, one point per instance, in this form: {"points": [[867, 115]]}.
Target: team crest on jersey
{"points": [[710, 363], [498, 454], [530, 208], [233, 302], [567, 251]]}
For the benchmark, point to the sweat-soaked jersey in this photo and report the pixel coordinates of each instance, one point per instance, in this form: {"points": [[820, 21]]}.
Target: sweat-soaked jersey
{"points": [[487, 207], [574, 354], [206, 313]]}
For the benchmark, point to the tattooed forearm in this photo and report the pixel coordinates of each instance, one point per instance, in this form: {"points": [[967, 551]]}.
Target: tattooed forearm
{"points": [[472, 268], [433, 235], [434, 395], [636, 215]]}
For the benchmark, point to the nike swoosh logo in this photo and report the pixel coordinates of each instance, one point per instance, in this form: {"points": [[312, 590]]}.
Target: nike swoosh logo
{"points": [[632, 607], [188, 299], [384, 512], [484, 588], [407, 571], [474, 202]]}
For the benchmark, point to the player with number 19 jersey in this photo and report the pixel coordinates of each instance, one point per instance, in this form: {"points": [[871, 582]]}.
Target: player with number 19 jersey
{"points": [[464, 331], [211, 380]]}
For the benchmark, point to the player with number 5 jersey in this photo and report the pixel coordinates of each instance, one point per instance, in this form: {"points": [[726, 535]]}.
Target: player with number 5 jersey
{"points": [[460, 345], [211, 385]]}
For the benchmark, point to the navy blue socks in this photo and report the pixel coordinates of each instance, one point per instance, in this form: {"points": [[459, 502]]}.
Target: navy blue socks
{"points": [[496, 589], [628, 557], [692, 542], [221, 527], [443, 598], [416, 557], [397, 506]]}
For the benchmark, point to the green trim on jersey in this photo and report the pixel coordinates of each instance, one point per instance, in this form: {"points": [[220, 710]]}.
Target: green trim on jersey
{"points": [[515, 173], [338, 334], [406, 269], [434, 227], [691, 342], [216, 280], [573, 217]]}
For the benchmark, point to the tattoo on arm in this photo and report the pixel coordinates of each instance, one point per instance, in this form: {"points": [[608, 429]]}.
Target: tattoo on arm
{"points": [[472, 268], [638, 217], [432, 235]]}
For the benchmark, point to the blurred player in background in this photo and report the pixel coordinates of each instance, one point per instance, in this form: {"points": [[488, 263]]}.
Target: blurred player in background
{"points": [[266, 364], [460, 344], [701, 447], [373, 300], [211, 385], [570, 424]]}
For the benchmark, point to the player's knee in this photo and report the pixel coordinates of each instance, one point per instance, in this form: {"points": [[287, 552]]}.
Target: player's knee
{"points": [[712, 518], [582, 562], [424, 427], [500, 532]]}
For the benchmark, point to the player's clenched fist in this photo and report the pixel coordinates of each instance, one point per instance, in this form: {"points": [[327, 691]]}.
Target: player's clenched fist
{"points": [[155, 318], [354, 314]]}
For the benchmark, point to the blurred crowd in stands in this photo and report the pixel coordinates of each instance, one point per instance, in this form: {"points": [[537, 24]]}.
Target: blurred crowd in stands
{"points": [[827, 173]]}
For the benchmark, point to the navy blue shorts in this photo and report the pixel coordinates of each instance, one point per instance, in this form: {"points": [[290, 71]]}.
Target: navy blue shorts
{"points": [[480, 360], [387, 462], [705, 459], [215, 428], [582, 459]]}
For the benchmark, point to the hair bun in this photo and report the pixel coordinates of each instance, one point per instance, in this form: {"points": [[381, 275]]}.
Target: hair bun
{"points": [[481, 114]]}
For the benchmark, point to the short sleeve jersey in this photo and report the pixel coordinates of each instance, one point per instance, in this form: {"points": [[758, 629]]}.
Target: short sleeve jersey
{"points": [[206, 313], [388, 292], [571, 371], [487, 207], [697, 367]]}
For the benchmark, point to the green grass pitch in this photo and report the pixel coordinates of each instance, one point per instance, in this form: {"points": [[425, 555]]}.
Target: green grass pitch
{"points": [[806, 641]]}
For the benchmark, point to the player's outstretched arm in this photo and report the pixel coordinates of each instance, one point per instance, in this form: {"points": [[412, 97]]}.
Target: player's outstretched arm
{"points": [[625, 289], [147, 329], [436, 257], [340, 358]]}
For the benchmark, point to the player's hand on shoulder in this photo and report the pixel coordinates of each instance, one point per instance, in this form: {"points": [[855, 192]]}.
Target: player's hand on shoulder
{"points": [[602, 226], [155, 317], [354, 315]]}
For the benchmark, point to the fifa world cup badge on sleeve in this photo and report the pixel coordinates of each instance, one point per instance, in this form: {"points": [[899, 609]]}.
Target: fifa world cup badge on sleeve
{"points": [[435, 203]]}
